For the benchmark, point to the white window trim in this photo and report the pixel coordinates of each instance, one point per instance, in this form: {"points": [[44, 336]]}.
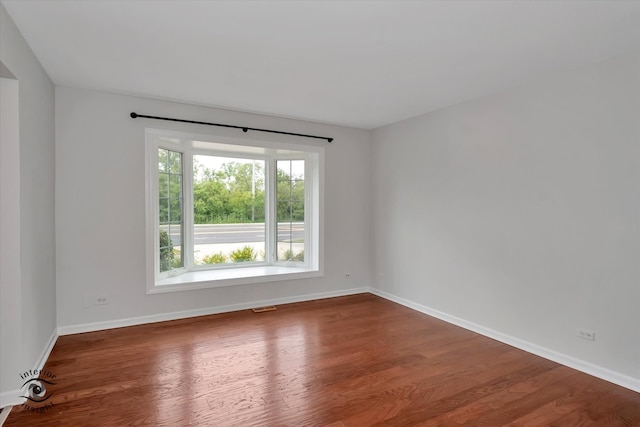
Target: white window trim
{"points": [[199, 277]]}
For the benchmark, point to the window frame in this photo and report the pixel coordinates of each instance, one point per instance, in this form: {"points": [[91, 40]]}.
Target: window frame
{"points": [[192, 276]]}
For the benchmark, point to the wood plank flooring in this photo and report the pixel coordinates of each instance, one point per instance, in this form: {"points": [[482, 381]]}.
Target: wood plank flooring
{"points": [[349, 361]]}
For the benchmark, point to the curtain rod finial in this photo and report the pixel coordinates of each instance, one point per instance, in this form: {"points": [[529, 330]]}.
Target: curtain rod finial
{"points": [[133, 115], [330, 139]]}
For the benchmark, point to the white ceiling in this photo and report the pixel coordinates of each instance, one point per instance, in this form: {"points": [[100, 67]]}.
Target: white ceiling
{"points": [[359, 64]]}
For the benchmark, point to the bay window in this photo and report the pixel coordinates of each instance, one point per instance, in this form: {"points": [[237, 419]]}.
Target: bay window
{"points": [[224, 211]]}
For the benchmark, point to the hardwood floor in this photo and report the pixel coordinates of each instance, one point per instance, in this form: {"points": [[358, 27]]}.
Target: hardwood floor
{"points": [[349, 361]]}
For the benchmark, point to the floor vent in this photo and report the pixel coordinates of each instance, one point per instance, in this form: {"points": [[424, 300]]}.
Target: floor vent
{"points": [[264, 309]]}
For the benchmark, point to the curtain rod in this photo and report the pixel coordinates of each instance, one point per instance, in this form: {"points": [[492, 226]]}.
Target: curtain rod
{"points": [[244, 128]]}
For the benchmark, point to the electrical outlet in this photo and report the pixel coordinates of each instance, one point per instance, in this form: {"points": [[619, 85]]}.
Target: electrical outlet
{"points": [[347, 276], [587, 334], [101, 300]]}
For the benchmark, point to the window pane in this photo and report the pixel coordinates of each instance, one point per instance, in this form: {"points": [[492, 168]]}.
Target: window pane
{"points": [[228, 210], [175, 235], [291, 241], [297, 211], [175, 162], [163, 204], [170, 209], [171, 256], [175, 211], [290, 210], [163, 158], [165, 249], [163, 185], [284, 169], [297, 170], [297, 193], [284, 208], [175, 186], [285, 233]]}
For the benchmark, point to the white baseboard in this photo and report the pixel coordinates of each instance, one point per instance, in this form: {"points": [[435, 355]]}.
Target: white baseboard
{"points": [[12, 397], [4, 413], [132, 321], [47, 351], [578, 364]]}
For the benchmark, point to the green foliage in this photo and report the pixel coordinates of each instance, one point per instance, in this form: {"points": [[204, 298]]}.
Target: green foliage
{"points": [[290, 256], [167, 256], [234, 193], [218, 258], [170, 257], [170, 186], [246, 254], [230, 194], [176, 258]]}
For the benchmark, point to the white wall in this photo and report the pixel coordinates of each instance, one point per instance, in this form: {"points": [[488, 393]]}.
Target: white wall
{"points": [[36, 307], [10, 292], [520, 212], [100, 210]]}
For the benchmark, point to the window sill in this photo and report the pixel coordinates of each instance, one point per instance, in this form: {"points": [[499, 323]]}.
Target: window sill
{"points": [[231, 277]]}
